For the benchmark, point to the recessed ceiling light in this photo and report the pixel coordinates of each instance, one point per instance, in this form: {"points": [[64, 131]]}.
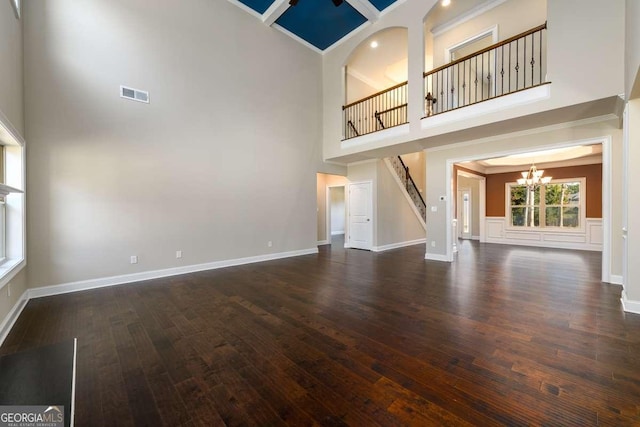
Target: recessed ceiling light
{"points": [[374, 44], [446, 3]]}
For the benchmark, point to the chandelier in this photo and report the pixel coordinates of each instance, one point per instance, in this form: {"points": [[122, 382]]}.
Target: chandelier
{"points": [[533, 178]]}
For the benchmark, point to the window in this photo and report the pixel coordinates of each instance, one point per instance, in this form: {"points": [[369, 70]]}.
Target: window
{"points": [[559, 204], [12, 206]]}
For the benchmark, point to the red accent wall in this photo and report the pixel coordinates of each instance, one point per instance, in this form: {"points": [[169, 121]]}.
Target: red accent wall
{"points": [[592, 173]]}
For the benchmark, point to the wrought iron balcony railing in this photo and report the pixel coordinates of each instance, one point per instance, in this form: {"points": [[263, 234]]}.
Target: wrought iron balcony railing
{"points": [[381, 110], [409, 184], [509, 66]]}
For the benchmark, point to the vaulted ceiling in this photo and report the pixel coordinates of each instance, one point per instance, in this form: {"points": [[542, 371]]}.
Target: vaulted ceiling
{"points": [[318, 24]]}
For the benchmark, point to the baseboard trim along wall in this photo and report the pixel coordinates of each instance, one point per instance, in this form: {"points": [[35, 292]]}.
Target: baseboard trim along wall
{"points": [[628, 305], [12, 316], [398, 245], [45, 291], [615, 279], [436, 257], [84, 285]]}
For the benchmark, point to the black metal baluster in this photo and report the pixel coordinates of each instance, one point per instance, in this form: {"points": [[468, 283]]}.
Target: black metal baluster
{"points": [[476, 80], [540, 56], [533, 60], [524, 63], [464, 85], [517, 63], [482, 77], [502, 72]]}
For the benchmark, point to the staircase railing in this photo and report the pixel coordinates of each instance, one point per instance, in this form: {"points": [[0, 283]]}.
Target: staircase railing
{"points": [[509, 66], [409, 184], [381, 110]]}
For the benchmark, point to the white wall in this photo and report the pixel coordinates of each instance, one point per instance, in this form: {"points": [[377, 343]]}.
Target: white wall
{"points": [[11, 106], [221, 161], [437, 222]]}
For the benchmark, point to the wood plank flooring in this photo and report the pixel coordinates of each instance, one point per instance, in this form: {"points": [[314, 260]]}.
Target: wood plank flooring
{"points": [[504, 336]]}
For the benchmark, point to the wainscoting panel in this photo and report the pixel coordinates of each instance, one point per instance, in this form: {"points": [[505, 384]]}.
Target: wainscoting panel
{"points": [[588, 239]]}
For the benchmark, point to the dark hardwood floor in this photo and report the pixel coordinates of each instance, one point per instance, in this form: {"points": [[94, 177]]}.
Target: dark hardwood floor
{"points": [[504, 336]]}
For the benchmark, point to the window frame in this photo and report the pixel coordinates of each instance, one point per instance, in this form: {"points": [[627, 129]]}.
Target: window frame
{"points": [[14, 167], [582, 206]]}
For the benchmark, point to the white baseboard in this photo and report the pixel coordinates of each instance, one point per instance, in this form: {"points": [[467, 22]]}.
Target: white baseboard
{"points": [[615, 279], [13, 315], [337, 233], [83, 285], [628, 305], [475, 237], [398, 245], [436, 257], [323, 242]]}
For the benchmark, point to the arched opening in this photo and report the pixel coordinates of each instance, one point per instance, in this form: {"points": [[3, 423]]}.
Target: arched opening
{"points": [[376, 83]]}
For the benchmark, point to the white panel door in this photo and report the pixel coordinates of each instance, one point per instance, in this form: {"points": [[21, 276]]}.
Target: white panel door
{"points": [[360, 220]]}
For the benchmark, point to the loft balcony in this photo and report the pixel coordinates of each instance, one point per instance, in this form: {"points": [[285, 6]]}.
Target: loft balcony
{"points": [[507, 67]]}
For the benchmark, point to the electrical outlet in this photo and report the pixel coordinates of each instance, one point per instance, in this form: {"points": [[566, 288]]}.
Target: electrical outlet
{"points": [[134, 259], [269, 243], [178, 254]]}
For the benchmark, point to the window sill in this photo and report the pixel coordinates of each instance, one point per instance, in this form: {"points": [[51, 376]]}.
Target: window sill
{"points": [[9, 269], [581, 230]]}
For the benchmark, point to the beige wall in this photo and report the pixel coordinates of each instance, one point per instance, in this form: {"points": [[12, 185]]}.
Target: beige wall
{"points": [[632, 285], [599, 25], [221, 161], [416, 164], [437, 222], [323, 181], [632, 49], [529, 14], [11, 106], [337, 211], [394, 221], [11, 96]]}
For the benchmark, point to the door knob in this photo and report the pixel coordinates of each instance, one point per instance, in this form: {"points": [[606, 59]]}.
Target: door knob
{"points": [[368, 219]]}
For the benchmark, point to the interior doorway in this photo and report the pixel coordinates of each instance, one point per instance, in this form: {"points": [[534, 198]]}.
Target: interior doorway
{"points": [[465, 213], [360, 213], [336, 214]]}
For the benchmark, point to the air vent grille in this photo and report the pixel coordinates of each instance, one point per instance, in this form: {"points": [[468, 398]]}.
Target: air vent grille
{"points": [[134, 94]]}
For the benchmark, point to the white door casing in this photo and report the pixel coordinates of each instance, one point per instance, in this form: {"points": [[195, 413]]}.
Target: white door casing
{"points": [[360, 215]]}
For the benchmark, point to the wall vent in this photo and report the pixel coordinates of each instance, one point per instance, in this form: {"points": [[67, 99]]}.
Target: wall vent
{"points": [[134, 94]]}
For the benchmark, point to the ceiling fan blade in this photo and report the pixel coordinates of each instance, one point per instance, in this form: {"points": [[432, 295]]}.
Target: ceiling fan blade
{"points": [[337, 3]]}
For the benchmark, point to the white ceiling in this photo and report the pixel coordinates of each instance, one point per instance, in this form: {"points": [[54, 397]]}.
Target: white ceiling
{"points": [[559, 157]]}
